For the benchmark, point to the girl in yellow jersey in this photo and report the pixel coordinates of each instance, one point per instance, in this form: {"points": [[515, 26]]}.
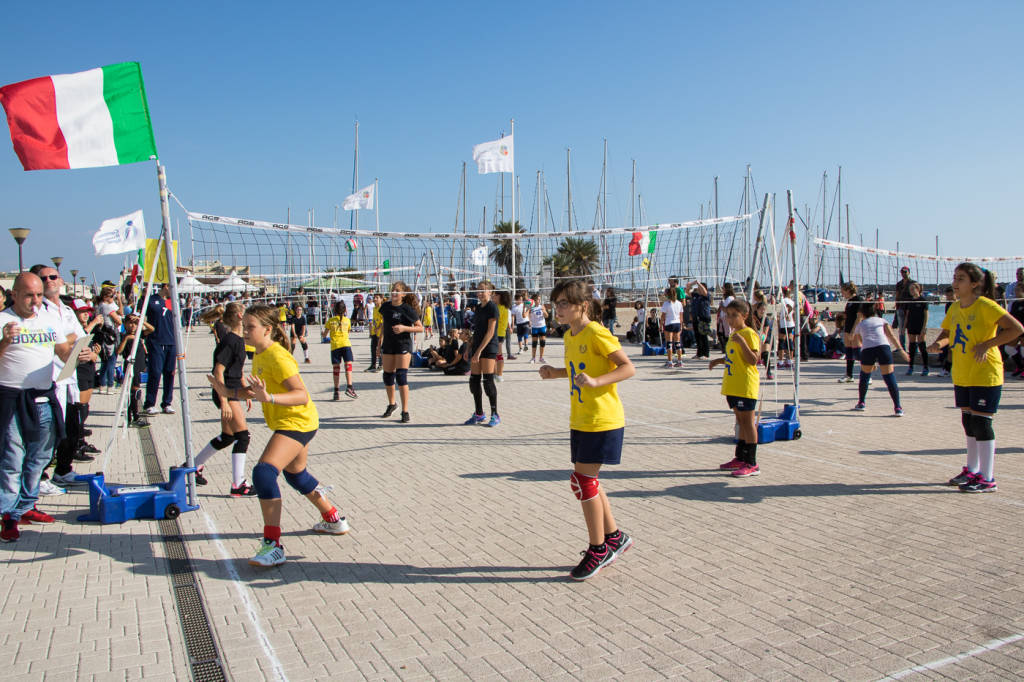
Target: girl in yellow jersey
{"points": [[428, 319], [974, 328], [291, 415], [740, 384], [595, 362], [376, 322], [337, 328], [503, 299]]}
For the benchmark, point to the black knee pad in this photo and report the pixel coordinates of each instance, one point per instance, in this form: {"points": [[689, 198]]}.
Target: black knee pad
{"points": [[305, 346], [983, 428], [543, 342], [222, 441], [490, 388], [967, 419], [389, 378], [241, 442], [534, 342], [474, 383], [302, 481], [402, 377]]}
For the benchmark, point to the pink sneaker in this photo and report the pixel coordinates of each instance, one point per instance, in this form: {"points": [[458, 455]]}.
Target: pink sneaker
{"points": [[732, 465], [747, 470]]}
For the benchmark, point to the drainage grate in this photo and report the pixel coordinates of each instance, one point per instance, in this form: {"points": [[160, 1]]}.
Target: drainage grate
{"points": [[204, 659]]}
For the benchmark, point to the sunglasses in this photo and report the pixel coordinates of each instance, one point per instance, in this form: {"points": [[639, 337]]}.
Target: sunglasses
{"points": [[52, 278]]}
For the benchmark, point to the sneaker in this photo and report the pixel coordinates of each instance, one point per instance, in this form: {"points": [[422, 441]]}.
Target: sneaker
{"points": [[978, 485], [747, 470], [89, 448], [337, 395], [668, 364], [307, 361], [910, 371], [475, 419], [533, 361], [499, 379], [371, 368], [9, 532], [243, 490], [405, 418], [925, 372], [859, 407], [965, 476], [61, 479], [139, 423], [390, 411], [769, 376], [494, 421], [80, 455], [512, 357], [677, 364], [591, 564], [86, 433], [270, 554], [378, 369], [339, 527], [200, 479], [732, 465], [351, 393], [168, 409], [48, 488], [33, 515], [898, 412], [945, 373], [152, 410], [845, 380], [618, 546]]}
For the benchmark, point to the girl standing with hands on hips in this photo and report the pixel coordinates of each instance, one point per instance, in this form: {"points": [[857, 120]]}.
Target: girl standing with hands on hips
{"points": [[740, 384], [292, 416], [595, 363], [400, 319]]}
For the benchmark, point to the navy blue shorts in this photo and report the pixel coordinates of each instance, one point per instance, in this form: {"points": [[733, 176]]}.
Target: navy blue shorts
{"points": [[596, 447], [523, 330], [673, 328], [876, 355], [741, 404], [301, 437], [978, 398], [339, 354]]}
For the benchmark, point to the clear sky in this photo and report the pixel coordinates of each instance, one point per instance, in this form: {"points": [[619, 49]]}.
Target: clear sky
{"points": [[253, 107]]}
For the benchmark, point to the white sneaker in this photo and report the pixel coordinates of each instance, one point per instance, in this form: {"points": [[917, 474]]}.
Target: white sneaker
{"points": [[270, 554], [152, 410], [499, 379], [168, 410], [48, 488], [62, 479], [339, 527]]}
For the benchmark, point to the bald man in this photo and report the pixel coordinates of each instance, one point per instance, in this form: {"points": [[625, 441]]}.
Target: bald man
{"points": [[31, 420]]}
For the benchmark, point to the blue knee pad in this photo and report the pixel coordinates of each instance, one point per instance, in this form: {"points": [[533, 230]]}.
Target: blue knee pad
{"points": [[402, 377], [264, 479], [302, 481], [389, 378]]}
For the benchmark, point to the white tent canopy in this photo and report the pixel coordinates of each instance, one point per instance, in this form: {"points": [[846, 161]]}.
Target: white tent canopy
{"points": [[190, 285], [233, 283]]}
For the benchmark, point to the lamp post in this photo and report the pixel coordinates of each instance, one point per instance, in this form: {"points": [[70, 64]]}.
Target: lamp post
{"points": [[20, 234], [57, 260], [74, 283]]}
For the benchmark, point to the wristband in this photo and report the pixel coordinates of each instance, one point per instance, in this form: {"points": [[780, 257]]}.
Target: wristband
{"points": [[271, 398]]}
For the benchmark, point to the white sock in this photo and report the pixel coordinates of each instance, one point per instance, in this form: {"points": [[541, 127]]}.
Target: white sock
{"points": [[237, 468], [972, 455], [205, 454], [987, 455]]}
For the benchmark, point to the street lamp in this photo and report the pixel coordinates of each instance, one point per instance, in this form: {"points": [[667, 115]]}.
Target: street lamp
{"points": [[57, 260], [74, 284], [20, 234]]}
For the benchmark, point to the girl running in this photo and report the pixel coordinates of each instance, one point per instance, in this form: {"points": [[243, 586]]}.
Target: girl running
{"points": [[877, 341], [483, 352], [978, 326], [337, 328], [538, 327], [915, 317], [292, 416], [228, 363], [298, 331], [850, 339], [740, 384], [400, 319], [672, 326], [595, 363]]}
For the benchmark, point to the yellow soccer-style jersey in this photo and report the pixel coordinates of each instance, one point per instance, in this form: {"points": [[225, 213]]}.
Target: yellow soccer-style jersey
{"points": [[502, 329], [967, 328], [274, 366], [338, 327], [283, 313], [250, 349], [592, 409], [377, 322], [428, 316], [741, 379]]}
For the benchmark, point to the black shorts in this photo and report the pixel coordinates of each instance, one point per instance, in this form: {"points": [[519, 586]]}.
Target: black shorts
{"points": [[915, 330], [596, 447], [301, 437], [876, 355], [396, 347], [215, 397], [86, 375], [741, 404], [523, 330], [978, 398], [339, 354], [489, 352], [673, 328]]}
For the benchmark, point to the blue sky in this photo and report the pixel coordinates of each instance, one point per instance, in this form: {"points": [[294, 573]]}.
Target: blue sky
{"points": [[253, 107]]}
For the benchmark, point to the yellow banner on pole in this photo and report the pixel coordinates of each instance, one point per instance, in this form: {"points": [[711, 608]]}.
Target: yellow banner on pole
{"points": [[161, 263]]}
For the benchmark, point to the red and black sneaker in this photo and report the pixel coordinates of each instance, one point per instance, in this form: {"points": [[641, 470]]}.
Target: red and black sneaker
{"points": [[33, 515], [9, 532], [243, 490]]}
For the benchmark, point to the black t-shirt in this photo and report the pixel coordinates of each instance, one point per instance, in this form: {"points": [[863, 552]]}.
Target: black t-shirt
{"points": [[460, 365], [852, 310], [701, 307], [298, 323], [608, 308], [484, 314], [915, 311], [903, 293], [230, 352], [1016, 309], [392, 315]]}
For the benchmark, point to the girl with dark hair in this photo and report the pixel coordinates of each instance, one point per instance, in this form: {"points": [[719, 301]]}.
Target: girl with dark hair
{"points": [[973, 329], [297, 322], [483, 352], [400, 319], [877, 339], [337, 329], [850, 338], [915, 319], [504, 301], [740, 385], [672, 326], [595, 364]]}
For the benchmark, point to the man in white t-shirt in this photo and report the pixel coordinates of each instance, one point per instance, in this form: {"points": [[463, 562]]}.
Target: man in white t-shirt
{"points": [[30, 418]]}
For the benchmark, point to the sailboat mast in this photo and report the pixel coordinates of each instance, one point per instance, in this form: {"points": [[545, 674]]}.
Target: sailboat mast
{"points": [[353, 219], [568, 182]]}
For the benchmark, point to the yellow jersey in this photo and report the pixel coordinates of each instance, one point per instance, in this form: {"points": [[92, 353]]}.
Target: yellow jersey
{"points": [[250, 349], [502, 329], [967, 328], [377, 322], [741, 379], [274, 366], [592, 409], [428, 316], [337, 328], [283, 313]]}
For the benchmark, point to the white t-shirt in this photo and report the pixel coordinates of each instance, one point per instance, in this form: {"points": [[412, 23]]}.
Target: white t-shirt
{"points": [[672, 311], [105, 309], [70, 325], [538, 317], [28, 361], [786, 313], [723, 318], [872, 332], [517, 314], [641, 318]]}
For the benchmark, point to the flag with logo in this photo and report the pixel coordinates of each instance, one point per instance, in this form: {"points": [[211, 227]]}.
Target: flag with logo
{"points": [[479, 255], [80, 120], [386, 265], [643, 242], [361, 199], [120, 235], [495, 157]]}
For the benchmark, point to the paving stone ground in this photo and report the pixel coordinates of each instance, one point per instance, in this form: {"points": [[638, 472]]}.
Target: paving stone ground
{"points": [[846, 559]]}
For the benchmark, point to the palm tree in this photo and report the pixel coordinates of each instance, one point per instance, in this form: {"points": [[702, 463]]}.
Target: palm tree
{"points": [[575, 257], [502, 252]]}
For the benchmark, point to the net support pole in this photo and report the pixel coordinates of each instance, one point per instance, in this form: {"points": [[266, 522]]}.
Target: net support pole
{"points": [[513, 232], [791, 234], [758, 245]]}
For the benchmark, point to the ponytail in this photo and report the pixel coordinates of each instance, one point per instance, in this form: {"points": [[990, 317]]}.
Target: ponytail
{"points": [[269, 317], [984, 280], [409, 298]]}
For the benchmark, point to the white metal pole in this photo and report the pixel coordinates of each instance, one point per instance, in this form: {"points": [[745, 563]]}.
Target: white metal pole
{"points": [[791, 232], [512, 241]]}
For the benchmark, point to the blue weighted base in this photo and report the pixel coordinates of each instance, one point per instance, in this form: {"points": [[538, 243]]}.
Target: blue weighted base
{"points": [[120, 503], [785, 427], [653, 350]]}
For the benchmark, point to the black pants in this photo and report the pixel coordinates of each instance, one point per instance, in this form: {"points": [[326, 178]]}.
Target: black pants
{"points": [[373, 350], [73, 437], [701, 338]]}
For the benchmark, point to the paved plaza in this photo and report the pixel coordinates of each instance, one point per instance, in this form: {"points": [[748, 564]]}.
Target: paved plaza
{"points": [[846, 559]]}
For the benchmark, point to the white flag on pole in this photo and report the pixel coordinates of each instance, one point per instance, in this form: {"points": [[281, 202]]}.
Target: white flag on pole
{"points": [[480, 255], [495, 157], [120, 235], [361, 199]]}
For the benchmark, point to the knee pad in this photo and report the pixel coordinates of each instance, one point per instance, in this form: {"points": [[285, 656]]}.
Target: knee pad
{"points": [[302, 481], [222, 441], [543, 342], [983, 428], [264, 479], [584, 487], [402, 377], [241, 442], [534, 342], [474, 383], [305, 346], [389, 378], [967, 419], [348, 366], [337, 370]]}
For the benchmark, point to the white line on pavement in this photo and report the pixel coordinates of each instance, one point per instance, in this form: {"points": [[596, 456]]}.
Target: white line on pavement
{"points": [[942, 662]]}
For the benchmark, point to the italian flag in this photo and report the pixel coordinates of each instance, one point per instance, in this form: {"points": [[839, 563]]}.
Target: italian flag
{"points": [[80, 120], [642, 242]]}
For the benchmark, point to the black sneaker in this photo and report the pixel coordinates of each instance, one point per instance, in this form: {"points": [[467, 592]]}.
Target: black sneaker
{"points": [[390, 411], [965, 476], [82, 456], [86, 432], [243, 490], [371, 368], [405, 418], [90, 448], [618, 545], [200, 479], [337, 396], [591, 564], [351, 392]]}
